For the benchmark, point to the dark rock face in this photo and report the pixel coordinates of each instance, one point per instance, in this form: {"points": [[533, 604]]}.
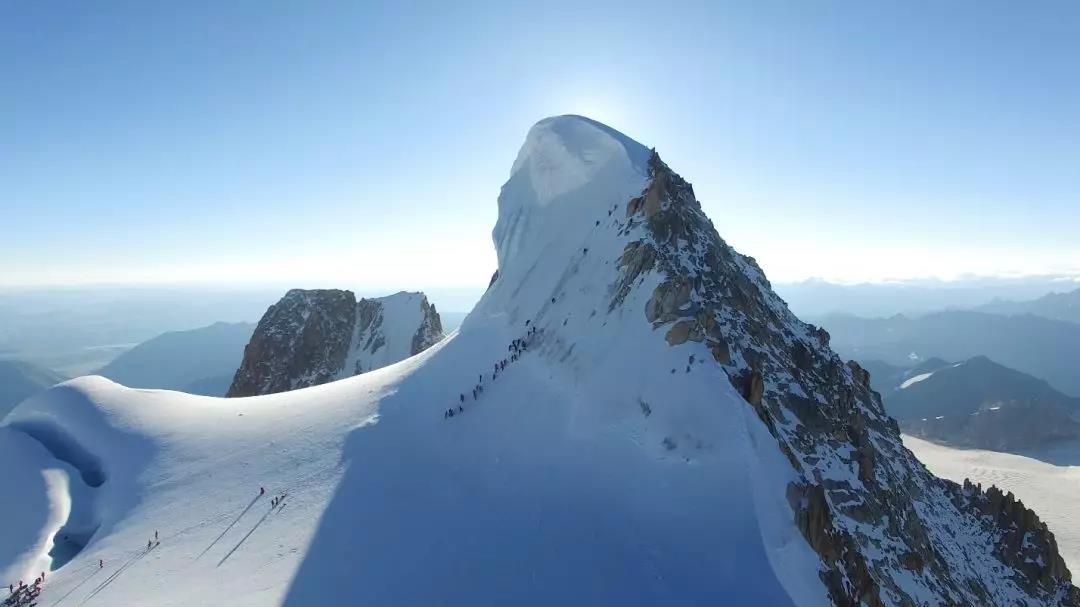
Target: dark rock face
{"points": [[301, 341], [368, 329], [312, 337], [886, 530], [980, 404]]}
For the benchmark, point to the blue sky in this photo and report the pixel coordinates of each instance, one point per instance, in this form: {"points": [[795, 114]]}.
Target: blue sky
{"points": [[327, 144]]}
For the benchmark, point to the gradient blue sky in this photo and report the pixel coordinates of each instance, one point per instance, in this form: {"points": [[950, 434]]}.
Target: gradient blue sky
{"points": [[325, 144]]}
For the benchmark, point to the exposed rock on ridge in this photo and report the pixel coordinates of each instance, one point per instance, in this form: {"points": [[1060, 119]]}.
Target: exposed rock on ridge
{"points": [[884, 528]]}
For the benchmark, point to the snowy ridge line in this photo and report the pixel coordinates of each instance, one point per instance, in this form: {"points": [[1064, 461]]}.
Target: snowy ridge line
{"points": [[878, 521]]}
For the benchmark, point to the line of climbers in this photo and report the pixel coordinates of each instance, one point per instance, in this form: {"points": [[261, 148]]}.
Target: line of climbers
{"points": [[153, 543], [278, 501], [515, 350], [274, 501], [24, 595]]}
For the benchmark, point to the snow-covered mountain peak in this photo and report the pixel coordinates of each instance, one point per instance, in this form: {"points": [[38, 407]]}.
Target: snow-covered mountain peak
{"points": [[562, 153], [569, 170], [602, 257]]}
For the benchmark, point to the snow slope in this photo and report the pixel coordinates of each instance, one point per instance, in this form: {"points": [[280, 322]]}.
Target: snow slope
{"points": [[1047, 480], [391, 503], [604, 459]]}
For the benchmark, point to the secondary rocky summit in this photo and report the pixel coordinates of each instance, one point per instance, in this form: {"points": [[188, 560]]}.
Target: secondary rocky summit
{"points": [[314, 336]]}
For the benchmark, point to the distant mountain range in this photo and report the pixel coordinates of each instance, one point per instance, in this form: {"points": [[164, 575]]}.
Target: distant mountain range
{"points": [[978, 403], [78, 330], [19, 380], [1047, 349], [885, 377], [817, 297], [1055, 306], [201, 361]]}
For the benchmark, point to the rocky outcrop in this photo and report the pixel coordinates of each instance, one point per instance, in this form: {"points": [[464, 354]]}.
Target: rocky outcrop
{"points": [[311, 337], [885, 529], [430, 330], [1025, 539], [301, 341]]}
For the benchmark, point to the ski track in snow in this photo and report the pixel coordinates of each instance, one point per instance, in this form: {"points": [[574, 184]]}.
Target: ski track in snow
{"points": [[230, 526]]}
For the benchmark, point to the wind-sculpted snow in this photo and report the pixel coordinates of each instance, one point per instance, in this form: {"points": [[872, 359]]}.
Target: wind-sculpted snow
{"points": [[569, 171], [664, 433]]}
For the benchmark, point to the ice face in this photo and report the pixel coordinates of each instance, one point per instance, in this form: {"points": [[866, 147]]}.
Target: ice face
{"points": [[569, 171]]}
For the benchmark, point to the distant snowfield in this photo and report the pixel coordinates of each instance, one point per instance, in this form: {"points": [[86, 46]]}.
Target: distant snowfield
{"points": [[1053, 491], [915, 380]]}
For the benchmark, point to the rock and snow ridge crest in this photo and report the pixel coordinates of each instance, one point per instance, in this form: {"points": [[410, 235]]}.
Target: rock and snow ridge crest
{"points": [[315, 336], [586, 206]]}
